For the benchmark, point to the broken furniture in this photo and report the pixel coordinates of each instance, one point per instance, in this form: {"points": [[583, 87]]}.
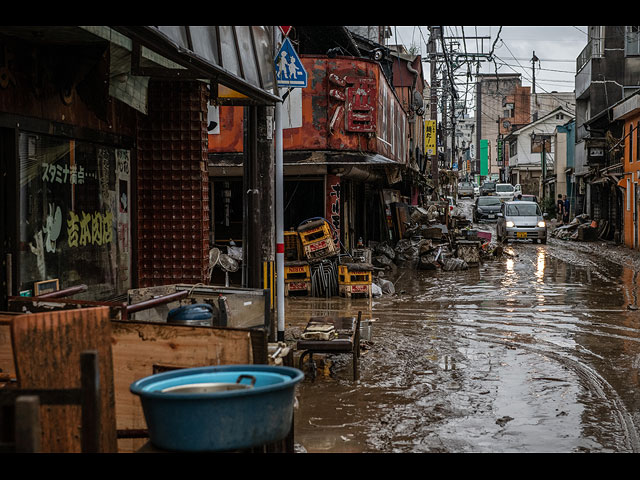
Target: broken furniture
{"points": [[144, 343], [46, 349], [331, 335], [27, 422], [469, 251]]}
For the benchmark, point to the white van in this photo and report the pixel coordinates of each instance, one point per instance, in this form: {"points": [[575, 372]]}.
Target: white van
{"points": [[505, 191]]}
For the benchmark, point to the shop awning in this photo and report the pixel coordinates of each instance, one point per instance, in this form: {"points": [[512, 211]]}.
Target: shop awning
{"points": [[236, 57]]}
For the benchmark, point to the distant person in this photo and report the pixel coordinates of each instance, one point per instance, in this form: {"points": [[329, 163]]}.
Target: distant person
{"points": [[559, 207], [565, 210], [519, 197]]}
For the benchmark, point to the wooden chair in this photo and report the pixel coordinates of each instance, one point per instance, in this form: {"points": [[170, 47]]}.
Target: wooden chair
{"points": [[27, 422], [347, 341], [47, 347]]}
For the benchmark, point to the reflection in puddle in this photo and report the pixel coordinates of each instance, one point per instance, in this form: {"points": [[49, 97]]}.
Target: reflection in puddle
{"points": [[540, 269], [549, 344]]}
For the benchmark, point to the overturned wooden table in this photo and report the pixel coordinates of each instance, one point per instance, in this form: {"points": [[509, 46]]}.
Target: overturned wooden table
{"points": [[331, 335]]}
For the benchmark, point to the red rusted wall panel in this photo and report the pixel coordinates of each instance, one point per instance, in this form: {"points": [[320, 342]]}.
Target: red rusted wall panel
{"points": [[329, 121]]}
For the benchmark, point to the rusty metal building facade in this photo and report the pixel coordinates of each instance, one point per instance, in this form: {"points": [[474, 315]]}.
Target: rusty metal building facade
{"points": [[347, 151]]}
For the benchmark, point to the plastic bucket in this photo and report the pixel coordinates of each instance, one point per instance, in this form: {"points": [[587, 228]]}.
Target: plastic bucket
{"points": [[221, 420]]}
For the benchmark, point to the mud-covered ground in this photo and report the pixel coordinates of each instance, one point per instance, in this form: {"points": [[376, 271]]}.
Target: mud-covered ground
{"points": [[537, 350]]}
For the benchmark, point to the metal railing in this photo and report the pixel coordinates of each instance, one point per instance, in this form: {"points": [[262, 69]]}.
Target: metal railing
{"points": [[593, 49]]}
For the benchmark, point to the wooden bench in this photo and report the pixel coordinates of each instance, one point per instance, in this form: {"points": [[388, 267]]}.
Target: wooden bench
{"points": [[347, 340]]}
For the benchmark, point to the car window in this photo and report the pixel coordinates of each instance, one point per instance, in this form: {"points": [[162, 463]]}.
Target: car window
{"points": [[504, 188], [523, 209], [487, 201]]}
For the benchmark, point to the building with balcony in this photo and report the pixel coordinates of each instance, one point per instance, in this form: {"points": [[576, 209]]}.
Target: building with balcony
{"points": [[608, 71]]}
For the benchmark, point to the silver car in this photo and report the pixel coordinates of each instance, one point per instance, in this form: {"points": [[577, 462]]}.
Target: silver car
{"points": [[465, 189], [521, 221]]}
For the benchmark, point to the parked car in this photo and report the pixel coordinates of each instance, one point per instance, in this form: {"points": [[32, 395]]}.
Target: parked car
{"points": [[465, 189], [486, 208], [521, 221], [488, 188], [476, 189], [504, 191], [452, 204]]}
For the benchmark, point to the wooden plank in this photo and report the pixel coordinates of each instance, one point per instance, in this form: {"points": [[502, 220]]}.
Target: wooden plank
{"points": [[27, 424], [7, 367], [141, 349], [47, 348]]}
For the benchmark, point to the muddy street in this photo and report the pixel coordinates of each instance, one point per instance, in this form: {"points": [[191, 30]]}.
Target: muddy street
{"points": [[536, 350]]}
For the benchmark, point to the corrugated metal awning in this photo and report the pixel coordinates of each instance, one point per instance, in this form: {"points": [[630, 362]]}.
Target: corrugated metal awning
{"points": [[238, 57]]}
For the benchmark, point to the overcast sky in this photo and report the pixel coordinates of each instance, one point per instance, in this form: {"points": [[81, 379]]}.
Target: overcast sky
{"points": [[556, 47]]}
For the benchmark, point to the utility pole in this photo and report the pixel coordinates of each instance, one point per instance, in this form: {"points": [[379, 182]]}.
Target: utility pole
{"points": [[434, 105], [533, 63], [534, 59]]}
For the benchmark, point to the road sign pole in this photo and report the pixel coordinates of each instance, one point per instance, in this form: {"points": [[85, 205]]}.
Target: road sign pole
{"points": [[290, 73], [279, 221]]}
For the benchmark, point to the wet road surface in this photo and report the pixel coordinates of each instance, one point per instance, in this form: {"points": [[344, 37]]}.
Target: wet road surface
{"points": [[537, 350]]}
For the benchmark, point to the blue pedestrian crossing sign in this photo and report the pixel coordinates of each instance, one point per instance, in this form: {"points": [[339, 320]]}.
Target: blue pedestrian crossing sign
{"points": [[289, 69]]}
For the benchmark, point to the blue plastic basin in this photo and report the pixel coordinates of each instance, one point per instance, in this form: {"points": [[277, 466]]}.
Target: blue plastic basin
{"points": [[218, 421]]}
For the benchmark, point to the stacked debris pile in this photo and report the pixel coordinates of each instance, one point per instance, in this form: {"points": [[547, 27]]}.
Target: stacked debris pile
{"points": [[582, 228], [441, 237]]}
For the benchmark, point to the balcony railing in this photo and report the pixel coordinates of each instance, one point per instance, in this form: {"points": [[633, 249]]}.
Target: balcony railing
{"points": [[593, 49]]}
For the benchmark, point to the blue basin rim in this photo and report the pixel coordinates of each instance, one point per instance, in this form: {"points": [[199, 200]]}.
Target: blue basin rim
{"points": [[143, 387]]}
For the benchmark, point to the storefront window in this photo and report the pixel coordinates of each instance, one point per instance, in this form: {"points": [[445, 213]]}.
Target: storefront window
{"points": [[74, 215]]}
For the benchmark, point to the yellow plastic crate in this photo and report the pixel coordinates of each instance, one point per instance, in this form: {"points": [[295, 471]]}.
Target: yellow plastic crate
{"points": [[319, 250], [292, 246], [297, 272], [317, 240], [315, 234], [351, 290], [347, 276], [298, 287]]}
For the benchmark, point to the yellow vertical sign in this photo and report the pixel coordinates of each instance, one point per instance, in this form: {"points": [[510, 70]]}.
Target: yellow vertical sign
{"points": [[430, 137]]}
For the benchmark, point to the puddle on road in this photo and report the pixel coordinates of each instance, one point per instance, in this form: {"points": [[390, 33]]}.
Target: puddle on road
{"points": [[534, 351]]}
